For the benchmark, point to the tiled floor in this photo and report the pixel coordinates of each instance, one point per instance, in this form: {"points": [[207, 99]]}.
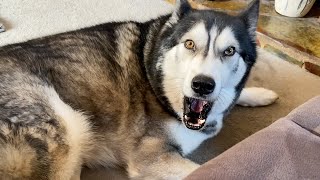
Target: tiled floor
{"points": [[294, 39]]}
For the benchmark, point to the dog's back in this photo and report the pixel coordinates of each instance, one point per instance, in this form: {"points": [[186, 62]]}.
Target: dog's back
{"points": [[38, 136], [41, 136]]}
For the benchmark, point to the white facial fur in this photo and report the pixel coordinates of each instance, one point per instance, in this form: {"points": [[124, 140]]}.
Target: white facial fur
{"points": [[181, 65]]}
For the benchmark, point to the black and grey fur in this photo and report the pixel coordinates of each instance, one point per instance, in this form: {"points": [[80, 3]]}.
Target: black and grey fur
{"points": [[96, 96]]}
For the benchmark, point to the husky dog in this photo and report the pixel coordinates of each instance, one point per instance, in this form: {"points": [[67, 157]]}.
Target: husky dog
{"points": [[136, 95]]}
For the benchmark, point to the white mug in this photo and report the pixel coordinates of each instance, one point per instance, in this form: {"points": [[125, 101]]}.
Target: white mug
{"points": [[293, 8]]}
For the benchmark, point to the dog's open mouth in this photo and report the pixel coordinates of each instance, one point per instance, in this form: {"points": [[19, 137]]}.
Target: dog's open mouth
{"points": [[195, 112]]}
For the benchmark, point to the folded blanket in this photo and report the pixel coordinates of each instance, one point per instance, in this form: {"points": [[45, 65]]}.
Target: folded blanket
{"points": [[32, 19], [287, 149]]}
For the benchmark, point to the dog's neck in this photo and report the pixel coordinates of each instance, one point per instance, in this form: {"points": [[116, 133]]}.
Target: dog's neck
{"points": [[151, 38]]}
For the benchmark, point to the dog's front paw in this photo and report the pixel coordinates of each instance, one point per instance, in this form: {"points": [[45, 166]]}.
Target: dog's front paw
{"points": [[255, 96]]}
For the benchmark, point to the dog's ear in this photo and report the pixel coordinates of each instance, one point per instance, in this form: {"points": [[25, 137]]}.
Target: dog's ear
{"points": [[250, 17], [182, 7]]}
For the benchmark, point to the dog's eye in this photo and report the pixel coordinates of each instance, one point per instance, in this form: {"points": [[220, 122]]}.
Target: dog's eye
{"points": [[229, 51], [189, 44]]}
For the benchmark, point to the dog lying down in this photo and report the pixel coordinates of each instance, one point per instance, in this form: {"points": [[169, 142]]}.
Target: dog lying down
{"points": [[137, 95]]}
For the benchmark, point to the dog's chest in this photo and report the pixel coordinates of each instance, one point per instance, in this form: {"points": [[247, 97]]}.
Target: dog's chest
{"points": [[187, 139]]}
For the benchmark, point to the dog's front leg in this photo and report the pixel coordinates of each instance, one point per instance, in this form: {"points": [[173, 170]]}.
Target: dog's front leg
{"points": [[154, 159], [255, 96]]}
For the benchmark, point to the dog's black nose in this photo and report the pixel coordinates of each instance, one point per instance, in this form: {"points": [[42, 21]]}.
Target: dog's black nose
{"points": [[203, 85]]}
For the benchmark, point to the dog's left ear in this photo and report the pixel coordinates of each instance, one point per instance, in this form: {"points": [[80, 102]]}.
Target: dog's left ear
{"points": [[250, 17], [182, 7]]}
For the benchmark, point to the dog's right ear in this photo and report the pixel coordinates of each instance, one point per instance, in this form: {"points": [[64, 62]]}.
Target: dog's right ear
{"points": [[182, 7]]}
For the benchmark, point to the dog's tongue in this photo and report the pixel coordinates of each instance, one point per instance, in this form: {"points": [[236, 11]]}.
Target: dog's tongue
{"points": [[197, 105]]}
